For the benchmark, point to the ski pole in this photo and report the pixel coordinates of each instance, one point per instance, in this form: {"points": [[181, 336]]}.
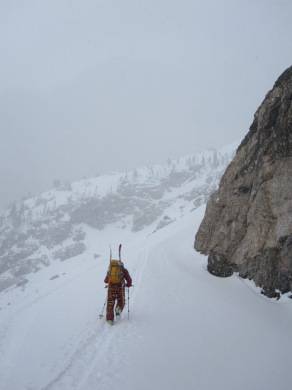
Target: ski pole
{"points": [[128, 303], [102, 310], [101, 313]]}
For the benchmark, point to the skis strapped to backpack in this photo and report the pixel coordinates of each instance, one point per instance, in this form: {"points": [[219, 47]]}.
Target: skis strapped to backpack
{"points": [[115, 272]]}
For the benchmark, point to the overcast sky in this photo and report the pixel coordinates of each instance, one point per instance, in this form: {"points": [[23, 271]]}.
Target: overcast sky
{"points": [[92, 86]]}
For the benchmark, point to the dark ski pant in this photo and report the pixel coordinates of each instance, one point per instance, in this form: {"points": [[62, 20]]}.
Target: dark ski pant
{"points": [[116, 294]]}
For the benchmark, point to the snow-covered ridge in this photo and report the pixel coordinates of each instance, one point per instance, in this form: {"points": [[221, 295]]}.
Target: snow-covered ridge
{"points": [[53, 225]]}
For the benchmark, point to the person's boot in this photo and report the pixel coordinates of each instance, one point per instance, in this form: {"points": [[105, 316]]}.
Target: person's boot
{"points": [[118, 311], [110, 322]]}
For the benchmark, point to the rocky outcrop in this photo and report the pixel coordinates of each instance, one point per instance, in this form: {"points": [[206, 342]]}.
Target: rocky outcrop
{"points": [[247, 226]]}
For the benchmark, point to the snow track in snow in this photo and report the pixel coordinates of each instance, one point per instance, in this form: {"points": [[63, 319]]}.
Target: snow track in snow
{"points": [[187, 329], [99, 346]]}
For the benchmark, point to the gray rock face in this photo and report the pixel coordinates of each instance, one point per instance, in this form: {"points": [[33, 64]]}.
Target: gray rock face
{"points": [[247, 226]]}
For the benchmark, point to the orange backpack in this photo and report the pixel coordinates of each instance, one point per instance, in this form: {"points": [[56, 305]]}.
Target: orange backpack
{"points": [[115, 272]]}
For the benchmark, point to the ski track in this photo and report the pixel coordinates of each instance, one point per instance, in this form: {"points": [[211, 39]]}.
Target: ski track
{"points": [[122, 333], [96, 345], [25, 308], [111, 344]]}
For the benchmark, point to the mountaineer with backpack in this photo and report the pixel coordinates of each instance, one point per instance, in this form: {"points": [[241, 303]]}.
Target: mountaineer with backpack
{"points": [[117, 279]]}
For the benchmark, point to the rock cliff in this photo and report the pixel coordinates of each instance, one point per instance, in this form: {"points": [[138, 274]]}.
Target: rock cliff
{"points": [[247, 226]]}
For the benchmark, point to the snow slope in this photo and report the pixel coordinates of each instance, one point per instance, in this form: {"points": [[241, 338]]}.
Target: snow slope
{"points": [[187, 329], [52, 227]]}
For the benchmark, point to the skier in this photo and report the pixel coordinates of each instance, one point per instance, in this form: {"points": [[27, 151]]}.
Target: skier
{"points": [[117, 279]]}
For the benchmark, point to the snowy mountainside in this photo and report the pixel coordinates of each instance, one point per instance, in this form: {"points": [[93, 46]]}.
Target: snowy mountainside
{"points": [[51, 335], [53, 226]]}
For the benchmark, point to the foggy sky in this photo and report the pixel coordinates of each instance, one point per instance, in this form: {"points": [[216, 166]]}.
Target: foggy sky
{"points": [[93, 86]]}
